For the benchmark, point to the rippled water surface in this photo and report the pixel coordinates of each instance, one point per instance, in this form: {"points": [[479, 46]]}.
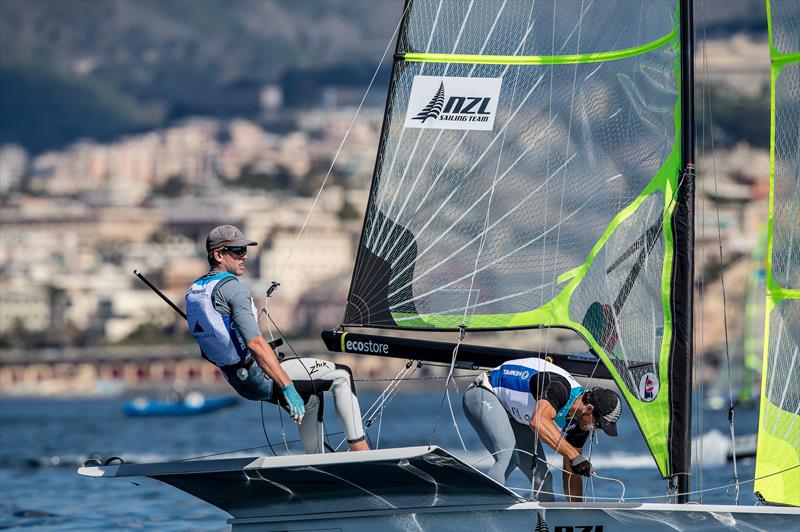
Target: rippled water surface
{"points": [[42, 443]]}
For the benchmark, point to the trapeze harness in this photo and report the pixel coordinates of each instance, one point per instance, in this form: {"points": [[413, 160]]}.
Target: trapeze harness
{"points": [[219, 340], [511, 384]]}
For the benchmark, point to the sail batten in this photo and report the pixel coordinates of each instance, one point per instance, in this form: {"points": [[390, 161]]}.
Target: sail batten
{"points": [[538, 59]]}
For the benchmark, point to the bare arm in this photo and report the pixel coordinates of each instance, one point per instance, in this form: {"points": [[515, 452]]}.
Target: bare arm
{"points": [[573, 484], [266, 359], [542, 423]]}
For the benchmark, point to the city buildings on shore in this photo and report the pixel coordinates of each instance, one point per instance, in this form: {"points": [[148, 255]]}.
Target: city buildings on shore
{"points": [[75, 223]]}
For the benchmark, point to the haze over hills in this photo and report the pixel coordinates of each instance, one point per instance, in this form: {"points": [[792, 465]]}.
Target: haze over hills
{"points": [[87, 68], [71, 68]]}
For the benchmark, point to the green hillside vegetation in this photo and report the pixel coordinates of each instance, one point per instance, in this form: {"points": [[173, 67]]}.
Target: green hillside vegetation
{"points": [[42, 109], [99, 68], [74, 68]]}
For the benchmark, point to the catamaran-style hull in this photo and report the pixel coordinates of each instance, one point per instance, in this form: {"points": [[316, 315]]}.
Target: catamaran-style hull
{"points": [[414, 488]]}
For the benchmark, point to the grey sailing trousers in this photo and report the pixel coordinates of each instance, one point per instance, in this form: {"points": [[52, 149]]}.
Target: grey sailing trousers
{"points": [[312, 377], [502, 436]]}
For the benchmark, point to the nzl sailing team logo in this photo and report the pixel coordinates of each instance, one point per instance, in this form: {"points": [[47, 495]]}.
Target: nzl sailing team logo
{"points": [[648, 387], [453, 103]]}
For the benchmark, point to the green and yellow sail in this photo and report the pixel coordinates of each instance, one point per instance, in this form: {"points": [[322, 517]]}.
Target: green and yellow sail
{"points": [[528, 176], [778, 454]]}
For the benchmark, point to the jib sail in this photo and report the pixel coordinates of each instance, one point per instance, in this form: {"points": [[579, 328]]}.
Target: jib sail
{"points": [[778, 454]]}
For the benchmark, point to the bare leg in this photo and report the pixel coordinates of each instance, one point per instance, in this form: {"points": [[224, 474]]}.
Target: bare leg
{"points": [[538, 474]]}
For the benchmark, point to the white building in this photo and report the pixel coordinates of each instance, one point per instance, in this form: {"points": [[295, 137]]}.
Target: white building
{"points": [[24, 304], [324, 251]]}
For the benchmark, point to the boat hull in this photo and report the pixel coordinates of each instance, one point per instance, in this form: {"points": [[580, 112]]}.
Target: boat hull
{"points": [[415, 488], [544, 517]]}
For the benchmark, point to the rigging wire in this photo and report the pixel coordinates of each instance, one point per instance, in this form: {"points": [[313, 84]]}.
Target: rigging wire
{"points": [[464, 376], [546, 211], [325, 180], [553, 276], [384, 399], [699, 362], [264, 428], [731, 411], [341, 145], [446, 394], [221, 453], [462, 328], [265, 311]]}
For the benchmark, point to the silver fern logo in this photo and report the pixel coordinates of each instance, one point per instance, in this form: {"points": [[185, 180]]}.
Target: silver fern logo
{"points": [[457, 103], [433, 108]]}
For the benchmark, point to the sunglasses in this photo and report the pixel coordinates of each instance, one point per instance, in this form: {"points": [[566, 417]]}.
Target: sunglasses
{"points": [[237, 250]]}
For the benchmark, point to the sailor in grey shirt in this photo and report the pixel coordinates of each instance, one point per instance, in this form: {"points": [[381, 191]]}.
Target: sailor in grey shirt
{"points": [[223, 320], [233, 300]]}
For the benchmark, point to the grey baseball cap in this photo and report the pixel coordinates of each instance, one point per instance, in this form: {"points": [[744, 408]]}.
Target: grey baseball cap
{"points": [[227, 236]]}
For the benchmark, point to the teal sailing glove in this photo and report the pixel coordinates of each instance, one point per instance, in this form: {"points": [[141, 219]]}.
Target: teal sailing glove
{"points": [[294, 403]]}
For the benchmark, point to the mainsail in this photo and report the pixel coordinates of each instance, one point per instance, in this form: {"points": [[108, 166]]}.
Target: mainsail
{"points": [[778, 455], [531, 173]]}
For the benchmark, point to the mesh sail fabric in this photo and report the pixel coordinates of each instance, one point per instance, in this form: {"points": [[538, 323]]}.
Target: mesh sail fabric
{"points": [[778, 452], [785, 215], [541, 28], [555, 213]]}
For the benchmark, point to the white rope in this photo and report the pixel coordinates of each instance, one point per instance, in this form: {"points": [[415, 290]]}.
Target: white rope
{"points": [[621, 498], [589, 457], [380, 426], [447, 395], [388, 392], [386, 396]]}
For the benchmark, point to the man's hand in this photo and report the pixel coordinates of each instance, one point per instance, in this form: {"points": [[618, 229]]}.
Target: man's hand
{"points": [[296, 407], [581, 466]]}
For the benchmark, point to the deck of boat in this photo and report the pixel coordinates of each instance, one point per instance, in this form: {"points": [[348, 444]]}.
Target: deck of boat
{"points": [[413, 488]]}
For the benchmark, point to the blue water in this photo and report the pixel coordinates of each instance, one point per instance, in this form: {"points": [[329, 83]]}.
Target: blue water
{"points": [[42, 442]]}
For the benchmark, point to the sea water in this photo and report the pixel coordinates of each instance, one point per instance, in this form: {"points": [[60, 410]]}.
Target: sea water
{"points": [[43, 442]]}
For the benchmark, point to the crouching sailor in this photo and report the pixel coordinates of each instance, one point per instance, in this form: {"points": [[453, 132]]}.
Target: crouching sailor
{"points": [[224, 322], [516, 406]]}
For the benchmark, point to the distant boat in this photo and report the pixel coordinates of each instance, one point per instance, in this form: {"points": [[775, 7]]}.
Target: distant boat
{"points": [[746, 446], [194, 403]]}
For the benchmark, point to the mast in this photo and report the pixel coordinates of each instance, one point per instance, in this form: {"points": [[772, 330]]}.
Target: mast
{"points": [[680, 375]]}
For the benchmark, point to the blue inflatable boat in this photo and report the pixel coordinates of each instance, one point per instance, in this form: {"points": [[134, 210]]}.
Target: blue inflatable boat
{"points": [[194, 403]]}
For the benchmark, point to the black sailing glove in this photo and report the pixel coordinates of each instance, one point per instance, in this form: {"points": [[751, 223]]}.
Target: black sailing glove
{"points": [[581, 466]]}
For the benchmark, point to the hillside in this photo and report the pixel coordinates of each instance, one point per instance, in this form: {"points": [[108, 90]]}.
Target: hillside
{"points": [[72, 68], [100, 68]]}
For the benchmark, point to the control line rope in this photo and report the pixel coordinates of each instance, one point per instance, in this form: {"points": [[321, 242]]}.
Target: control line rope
{"points": [[446, 394], [539, 490]]}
